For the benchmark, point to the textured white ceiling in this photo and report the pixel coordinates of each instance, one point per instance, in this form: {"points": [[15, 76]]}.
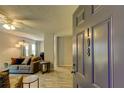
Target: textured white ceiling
{"points": [[39, 19]]}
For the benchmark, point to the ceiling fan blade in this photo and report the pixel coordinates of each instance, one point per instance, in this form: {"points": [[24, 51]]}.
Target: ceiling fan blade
{"points": [[18, 22], [22, 25], [2, 18], [27, 18]]}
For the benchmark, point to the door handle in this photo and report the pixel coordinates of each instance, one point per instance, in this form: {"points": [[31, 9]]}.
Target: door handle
{"points": [[73, 65], [73, 72]]}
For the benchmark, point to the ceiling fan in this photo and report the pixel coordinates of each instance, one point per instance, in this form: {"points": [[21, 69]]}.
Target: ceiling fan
{"points": [[11, 24], [7, 23]]}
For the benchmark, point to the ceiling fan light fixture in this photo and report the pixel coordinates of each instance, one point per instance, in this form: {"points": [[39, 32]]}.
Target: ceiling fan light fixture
{"points": [[17, 45], [6, 26], [9, 27], [12, 27], [21, 43]]}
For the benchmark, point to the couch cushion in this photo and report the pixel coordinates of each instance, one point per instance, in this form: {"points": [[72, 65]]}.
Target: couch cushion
{"points": [[25, 62], [24, 67], [13, 67], [19, 60]]}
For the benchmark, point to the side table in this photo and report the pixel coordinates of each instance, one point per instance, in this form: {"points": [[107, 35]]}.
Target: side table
{"points": [[46, 65]]}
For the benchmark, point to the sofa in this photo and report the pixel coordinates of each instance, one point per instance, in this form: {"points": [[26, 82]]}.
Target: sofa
{"points": [[32, 65]]}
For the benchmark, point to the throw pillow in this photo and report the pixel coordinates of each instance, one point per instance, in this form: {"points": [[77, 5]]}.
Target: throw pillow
{"points": [[29, 62], [19, 60], [25, 62], [13, 61], [33, 59]]}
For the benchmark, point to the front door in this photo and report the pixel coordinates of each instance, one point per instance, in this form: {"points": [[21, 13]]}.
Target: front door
{"points": [[78, 65], [92, 56]]}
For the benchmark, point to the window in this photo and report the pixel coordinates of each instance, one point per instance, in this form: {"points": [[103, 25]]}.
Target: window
{"points": [[27, 50], [80, 18], [34, 49], [95, 8]]}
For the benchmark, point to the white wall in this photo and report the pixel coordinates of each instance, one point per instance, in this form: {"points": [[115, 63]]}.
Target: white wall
{"points": [[7, 47], [64, 51], [42, 46], [49, 48]]}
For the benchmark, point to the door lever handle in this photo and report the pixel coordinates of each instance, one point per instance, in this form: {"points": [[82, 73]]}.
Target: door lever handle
{"points": [[73, 65], [72, 72]]}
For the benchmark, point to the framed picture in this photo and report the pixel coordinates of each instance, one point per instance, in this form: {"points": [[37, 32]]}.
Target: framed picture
{"points": [[80, 18]]}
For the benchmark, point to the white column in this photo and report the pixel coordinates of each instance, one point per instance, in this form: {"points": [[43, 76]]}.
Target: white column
{"points": [[55, 52], [49, 49]]}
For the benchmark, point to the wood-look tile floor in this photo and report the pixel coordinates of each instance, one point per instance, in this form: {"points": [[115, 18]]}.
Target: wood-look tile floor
{"points": [[60, 78]]}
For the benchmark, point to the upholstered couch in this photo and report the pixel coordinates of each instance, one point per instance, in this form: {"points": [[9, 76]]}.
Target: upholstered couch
{"points": [[33, 67]]}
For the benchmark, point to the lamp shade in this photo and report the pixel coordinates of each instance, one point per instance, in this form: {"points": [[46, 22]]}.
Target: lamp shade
{"points": [[17, 45], [21, 43]]}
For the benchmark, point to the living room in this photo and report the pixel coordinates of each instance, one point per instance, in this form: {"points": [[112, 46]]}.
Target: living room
{"points": [[26, 42]]}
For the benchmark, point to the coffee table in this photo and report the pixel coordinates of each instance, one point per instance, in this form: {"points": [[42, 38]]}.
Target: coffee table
{"points": [[30, 79]]}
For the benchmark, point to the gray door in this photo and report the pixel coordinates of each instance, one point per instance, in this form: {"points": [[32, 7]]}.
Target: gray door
{"points": [[98, 74], [101, 54], [79, 60]]}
